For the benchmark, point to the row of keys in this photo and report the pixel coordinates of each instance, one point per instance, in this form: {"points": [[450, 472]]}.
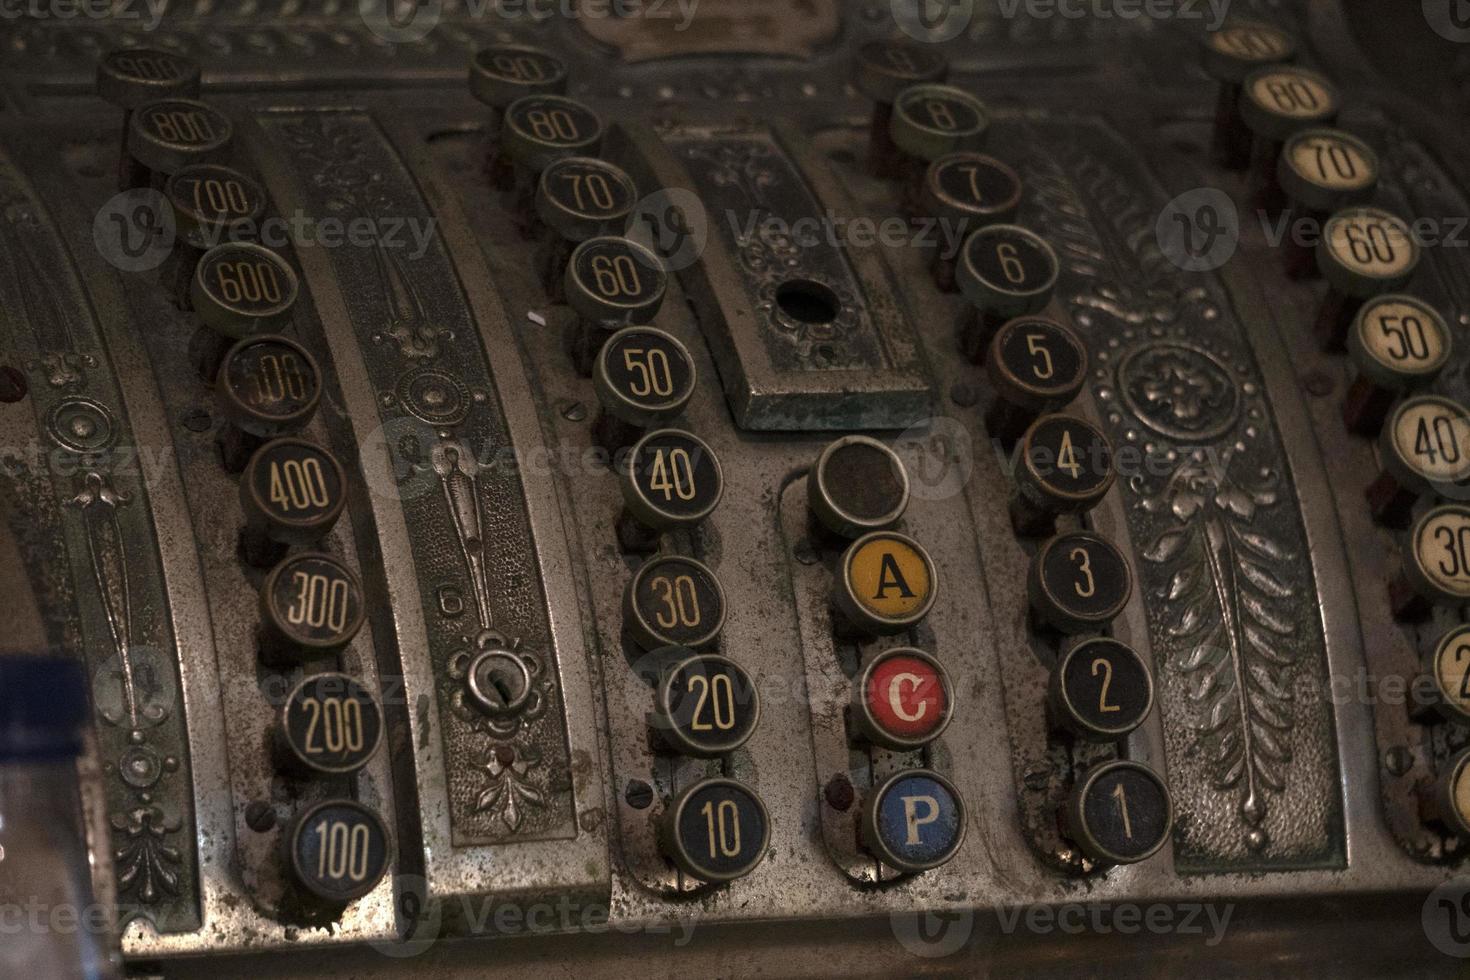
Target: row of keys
{"points": [[705, 706], [292, 491]]}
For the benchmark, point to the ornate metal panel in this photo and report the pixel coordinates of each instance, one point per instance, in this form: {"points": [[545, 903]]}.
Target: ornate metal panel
{"points": [[1222, 558], [83, 488]]}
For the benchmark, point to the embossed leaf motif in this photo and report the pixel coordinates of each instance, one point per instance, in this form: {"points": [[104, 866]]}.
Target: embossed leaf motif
{"points": [[1224, 595], [510, 791], [146, 866]]}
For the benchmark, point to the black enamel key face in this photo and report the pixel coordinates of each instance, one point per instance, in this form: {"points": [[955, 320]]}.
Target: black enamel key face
{"points": [[271, 381], [130, 77], [721, 830], [677, 475], [339, 850], [1083, 578], [588, 189], [553, 122], [1106, 689], [1070, 460], [975, 183], [314, 601], [241, 288], [1008, 259], [708, 705], [217, 203], [296, 484], [648, 370], [1125, 812], [618, 274], [931, 109], [332, 723], [1041, 359], [512, 69], [675, 601], [183, 125]]}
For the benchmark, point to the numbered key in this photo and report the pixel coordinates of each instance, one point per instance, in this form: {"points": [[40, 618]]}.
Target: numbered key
{"points": [[538, 130], [886, 583], [1276, 103], [902, 700], [1079, 582], [1005, 272], [1449, 672], [964, 192], [1436, 564], [130, 78], [267, 386], [610, 282], [674, 601], [706, 706], [168, 135], [913, 821], [882, 70], [672, 479], [1230, 55], [1066, 468], [931, 121], [240, 289], [1119, 812], [578, 198], [293, 492], [1364, 252], [1036, 366], [337, 852], [331, 724], [499, 75], [310, 605], [857, 485], [1425, 448], [1452, 794], [1321, 171], [715, 831], [1100, 691], [643, 377], [212, 204], [1398, 345]]}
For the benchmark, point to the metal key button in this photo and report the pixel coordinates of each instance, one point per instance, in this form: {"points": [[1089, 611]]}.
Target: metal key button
{"points": [[857, 485], [1078, 582], [1398, 344], [293, 492], [1436, 564], [673, 479], [930, 121], [267, 386], [1229, 55], [1119, 812], [902, 700], [1364, 252], [539, 130], [1035, 365], [643, 377], [331, 724], [337, 851], [674, 601], [913, 821], [1425, 447], [166, 136], [706, 706], [1005, 271], [310, 604], [239, 290], [212, 204], [1100, 690], [1278, 102], [133, 77], [578, 198], [610, 282], [883, 70], [1449, 670], [886, 583], [964, 192], [715, 831], [1321, 171], [1066, 467], [501, 74]]}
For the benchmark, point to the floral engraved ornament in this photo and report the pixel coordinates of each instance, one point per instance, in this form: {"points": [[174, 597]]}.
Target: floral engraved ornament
{"points": [[510, 791], [1223, 600]]}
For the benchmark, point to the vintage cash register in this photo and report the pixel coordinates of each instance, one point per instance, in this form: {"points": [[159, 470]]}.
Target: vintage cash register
{"points": [[729, 488]]}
